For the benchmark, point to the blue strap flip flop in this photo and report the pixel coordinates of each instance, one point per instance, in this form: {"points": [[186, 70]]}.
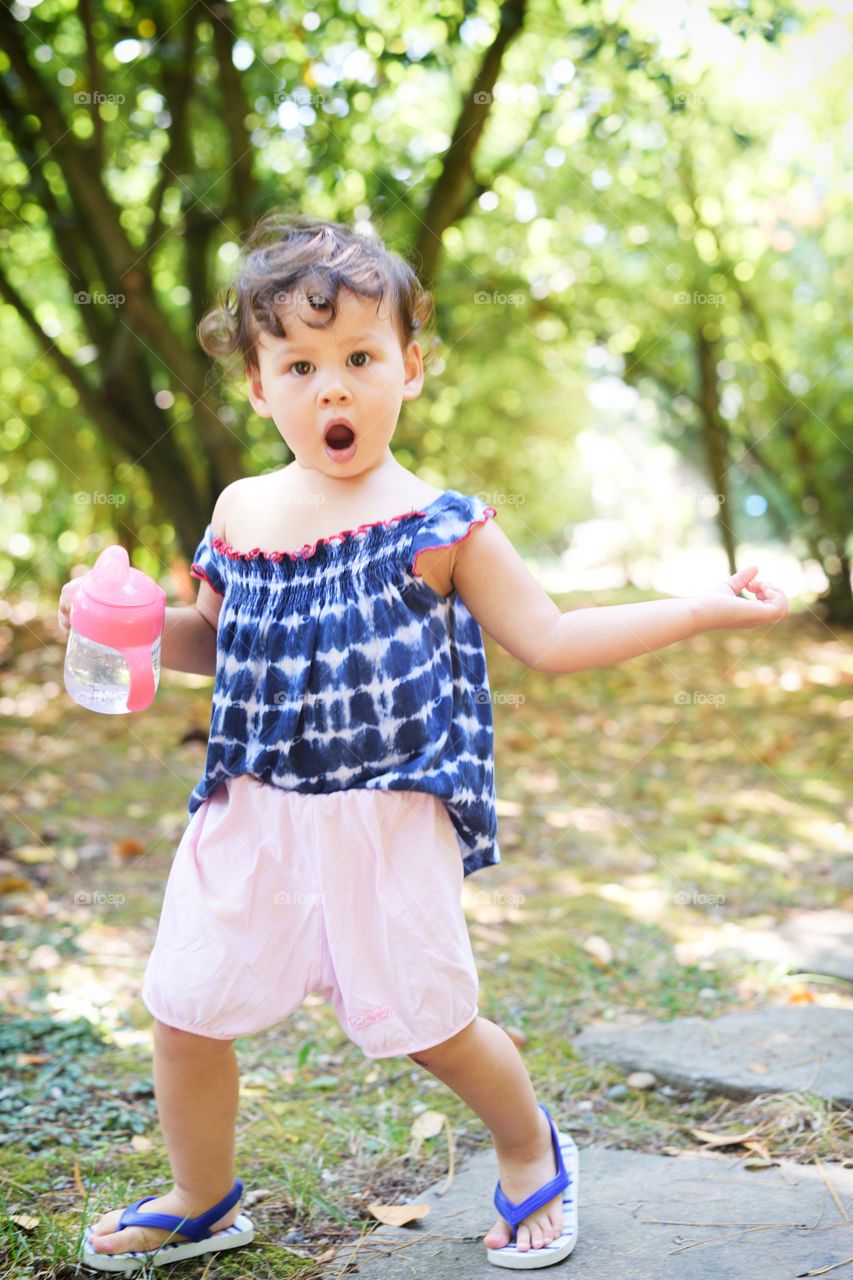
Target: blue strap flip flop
{"points": [[200, 1241], [565, 1180]]}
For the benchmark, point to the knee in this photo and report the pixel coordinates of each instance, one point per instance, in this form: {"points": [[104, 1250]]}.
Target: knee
{"points": [[441, 1053], [185, 1041]]}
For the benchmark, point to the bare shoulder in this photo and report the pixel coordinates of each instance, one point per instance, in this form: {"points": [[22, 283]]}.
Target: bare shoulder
{"points": [[238, 501]]}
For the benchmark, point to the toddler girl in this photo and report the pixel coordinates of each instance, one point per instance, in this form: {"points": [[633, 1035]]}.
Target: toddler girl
{"points": [[349, 785]]}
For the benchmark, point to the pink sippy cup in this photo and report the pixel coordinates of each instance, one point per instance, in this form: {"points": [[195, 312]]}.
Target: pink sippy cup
{"points": [[112, 662]]}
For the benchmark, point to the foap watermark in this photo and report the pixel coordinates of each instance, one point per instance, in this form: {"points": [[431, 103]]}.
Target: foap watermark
{"points": [[699, 698], [496, 898], [83, 98], [298, 298], [502, 499], [499, 698], [98, 899], [284, 898], [85, 299], [707, 504], [496, 298], [685, 299], [694, 99], [694, 899], [300, 97], [98, 498]]}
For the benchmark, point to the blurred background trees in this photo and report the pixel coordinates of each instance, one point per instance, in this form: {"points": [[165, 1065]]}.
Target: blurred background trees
{"points": [[632, 215]]}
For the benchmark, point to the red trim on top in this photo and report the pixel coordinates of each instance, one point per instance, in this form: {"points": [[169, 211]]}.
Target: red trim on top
{"points": [[196, 571], [219, 544], [487, 511]]}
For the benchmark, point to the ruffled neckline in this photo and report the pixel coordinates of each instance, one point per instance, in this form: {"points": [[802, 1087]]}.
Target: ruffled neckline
{"points": [[309, 549]]}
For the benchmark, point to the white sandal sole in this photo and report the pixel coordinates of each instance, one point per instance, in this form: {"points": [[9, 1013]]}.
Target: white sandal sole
{"points": [[241, 1231]]}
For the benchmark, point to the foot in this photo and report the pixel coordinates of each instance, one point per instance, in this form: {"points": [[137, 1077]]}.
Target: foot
{"points": [[520, 1175], [106, 1239]]}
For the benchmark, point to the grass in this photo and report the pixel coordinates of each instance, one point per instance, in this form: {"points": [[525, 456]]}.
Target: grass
{"points": [[635, 830]]}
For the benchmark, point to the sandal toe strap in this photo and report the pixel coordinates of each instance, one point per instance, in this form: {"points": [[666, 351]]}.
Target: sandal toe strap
{"points": [[194, 1228], [516, 1213]]}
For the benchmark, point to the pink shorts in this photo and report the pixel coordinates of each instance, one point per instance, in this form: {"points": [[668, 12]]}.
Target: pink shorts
{"points": [[354, 895]]}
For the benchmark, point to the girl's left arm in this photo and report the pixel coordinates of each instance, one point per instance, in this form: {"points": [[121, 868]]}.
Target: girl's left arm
{"points": [[500, 592]]}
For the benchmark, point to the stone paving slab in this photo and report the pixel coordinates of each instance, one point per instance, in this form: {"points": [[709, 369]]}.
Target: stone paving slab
{"points": [[809, 942], [786, 1048], [638, 1214]]}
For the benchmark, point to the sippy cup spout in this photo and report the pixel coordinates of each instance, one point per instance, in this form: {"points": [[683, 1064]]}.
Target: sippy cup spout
{"points": [[112, 568]]}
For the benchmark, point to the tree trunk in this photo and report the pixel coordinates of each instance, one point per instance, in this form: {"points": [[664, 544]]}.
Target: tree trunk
{"points": [[837, 600], [715, 439]]}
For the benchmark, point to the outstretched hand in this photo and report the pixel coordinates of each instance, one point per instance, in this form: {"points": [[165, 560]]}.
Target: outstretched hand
{"points": [[722, 606]]}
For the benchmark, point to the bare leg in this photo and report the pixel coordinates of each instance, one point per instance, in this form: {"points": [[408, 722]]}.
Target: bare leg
{"points": [[197, 1087], [482, 1065]]}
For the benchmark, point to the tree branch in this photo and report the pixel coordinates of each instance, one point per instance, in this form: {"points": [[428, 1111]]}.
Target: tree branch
{"points": [[78, 161], [177, 86], [96, 82], [450, 192], [244, 191]]}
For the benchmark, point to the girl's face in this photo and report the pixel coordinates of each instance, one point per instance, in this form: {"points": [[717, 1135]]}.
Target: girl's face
{"points": [[354, 370]]}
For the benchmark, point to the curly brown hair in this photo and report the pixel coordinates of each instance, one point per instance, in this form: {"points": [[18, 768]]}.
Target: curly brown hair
{"points": [[296, 257]]}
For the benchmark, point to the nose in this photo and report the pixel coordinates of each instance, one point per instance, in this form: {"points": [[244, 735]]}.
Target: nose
{"points": [[334, 393]]}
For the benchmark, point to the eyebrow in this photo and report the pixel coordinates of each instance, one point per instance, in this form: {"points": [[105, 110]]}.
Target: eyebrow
{"points": [[303, 344]]}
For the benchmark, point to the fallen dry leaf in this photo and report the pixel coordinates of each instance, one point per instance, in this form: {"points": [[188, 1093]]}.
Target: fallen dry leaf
{"points": [[721, 1139], [397, 1215], [24, 1220], [427, 1125], [128, 848], [140, 1143], [599, 949], [252, 1197], [14, 884], [761, 1158]]}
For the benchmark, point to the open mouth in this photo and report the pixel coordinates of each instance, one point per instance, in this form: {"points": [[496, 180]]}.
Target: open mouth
{"points": [[340, 435]]}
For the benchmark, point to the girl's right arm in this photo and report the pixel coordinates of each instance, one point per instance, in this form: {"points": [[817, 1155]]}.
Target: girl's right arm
{"points": [[189, 631]]}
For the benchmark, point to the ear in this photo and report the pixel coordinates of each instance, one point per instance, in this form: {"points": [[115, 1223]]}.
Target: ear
{"points": [[413, 371], [256, 394]]}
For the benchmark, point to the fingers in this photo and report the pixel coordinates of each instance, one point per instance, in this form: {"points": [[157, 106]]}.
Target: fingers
{"points": [[63, 613]]}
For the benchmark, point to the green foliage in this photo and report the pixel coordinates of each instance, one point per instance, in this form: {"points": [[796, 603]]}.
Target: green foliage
{"points": [[621, 167], [50, 1095]]}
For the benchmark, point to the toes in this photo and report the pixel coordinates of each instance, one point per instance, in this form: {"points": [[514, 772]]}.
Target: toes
{"points": [[537, 1236], [128, 1240], [110, 1242], [498, 1236], [106, 1224]]}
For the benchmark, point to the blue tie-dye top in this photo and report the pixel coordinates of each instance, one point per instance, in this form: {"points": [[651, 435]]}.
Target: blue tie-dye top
{"points": [[337, 666]]}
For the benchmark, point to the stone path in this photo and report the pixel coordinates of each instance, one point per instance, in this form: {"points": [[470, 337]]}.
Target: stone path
{"points": [[642, 1217], [808, 942], [698, 1216], [787, 1048]]}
